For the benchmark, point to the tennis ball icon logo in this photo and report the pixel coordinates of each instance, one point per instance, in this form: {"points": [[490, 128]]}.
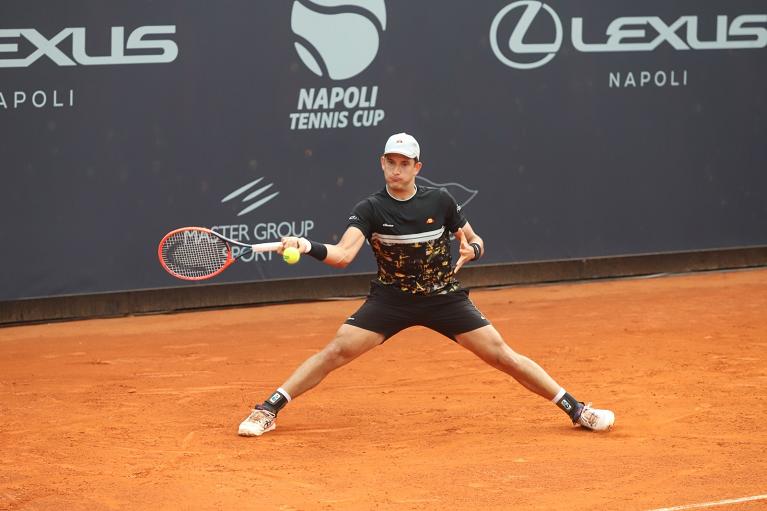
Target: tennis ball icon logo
{"points": [[338, 38]]}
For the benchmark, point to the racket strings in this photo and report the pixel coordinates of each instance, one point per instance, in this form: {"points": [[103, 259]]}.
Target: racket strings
{"points": [[194, 254]]}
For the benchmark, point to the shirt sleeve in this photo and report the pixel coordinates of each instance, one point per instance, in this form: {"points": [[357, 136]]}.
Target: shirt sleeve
{"points": [[361, 217], [454, 218]]}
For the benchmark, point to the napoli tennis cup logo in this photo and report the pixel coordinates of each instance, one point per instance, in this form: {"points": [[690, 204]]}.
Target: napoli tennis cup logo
{"points": [[337, 39]]}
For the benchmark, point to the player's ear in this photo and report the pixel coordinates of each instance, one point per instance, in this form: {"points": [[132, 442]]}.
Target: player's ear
{"points": [[383, 162], [418, 166]]}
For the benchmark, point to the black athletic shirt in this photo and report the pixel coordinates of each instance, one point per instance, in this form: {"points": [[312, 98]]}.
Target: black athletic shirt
{"points": [[411, 238]]}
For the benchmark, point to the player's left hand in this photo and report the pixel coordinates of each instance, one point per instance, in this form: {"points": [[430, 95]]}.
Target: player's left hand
{"points": [[467, 253]]}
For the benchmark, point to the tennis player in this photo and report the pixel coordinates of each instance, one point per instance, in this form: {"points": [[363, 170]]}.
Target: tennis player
{"points": [[409, 229]]}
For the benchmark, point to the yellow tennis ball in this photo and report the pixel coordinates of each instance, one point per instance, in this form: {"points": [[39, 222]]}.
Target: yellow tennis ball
{"points": [[291, 255]]}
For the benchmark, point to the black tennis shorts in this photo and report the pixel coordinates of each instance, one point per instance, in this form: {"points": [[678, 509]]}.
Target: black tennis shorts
{"points": [[387, 311]]}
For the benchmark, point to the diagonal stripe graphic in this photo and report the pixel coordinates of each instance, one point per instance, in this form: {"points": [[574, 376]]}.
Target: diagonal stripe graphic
{"points": [[258, 203], [257, 192], [242, 189]]}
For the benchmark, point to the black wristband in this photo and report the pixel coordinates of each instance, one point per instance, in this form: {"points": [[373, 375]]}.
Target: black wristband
{"points": [[477, 250], [318, 251]]}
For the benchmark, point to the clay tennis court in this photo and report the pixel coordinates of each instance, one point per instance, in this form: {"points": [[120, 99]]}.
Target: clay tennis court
{"points": [[142, 412]]}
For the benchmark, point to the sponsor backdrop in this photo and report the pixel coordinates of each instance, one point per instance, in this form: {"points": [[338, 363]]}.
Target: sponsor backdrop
{"points": [[567, 129]]}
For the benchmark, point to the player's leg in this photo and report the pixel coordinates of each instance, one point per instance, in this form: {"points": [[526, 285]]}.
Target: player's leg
{"points": [[486, 342], [458, 318], [374, 322], [349, 343], [488, 345]]}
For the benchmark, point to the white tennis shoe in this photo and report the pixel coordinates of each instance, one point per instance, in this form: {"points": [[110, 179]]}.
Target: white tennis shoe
{"points": [[258, 422], [596, 419]]}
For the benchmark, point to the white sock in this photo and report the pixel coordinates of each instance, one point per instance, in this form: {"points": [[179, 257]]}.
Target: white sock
{"points": [[287, 396], [555, 400]]}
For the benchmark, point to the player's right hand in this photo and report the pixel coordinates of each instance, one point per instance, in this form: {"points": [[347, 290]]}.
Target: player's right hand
{"points": [[302, 244]]}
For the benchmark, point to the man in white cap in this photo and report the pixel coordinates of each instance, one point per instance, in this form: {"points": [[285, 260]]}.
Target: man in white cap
{"points": [[409, 229]]}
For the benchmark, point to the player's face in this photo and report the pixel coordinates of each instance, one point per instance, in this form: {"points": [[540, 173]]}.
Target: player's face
{"points": [[399, 172]]}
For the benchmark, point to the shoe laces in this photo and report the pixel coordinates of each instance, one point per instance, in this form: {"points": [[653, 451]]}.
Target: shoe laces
{"points": [[588, 416], [261, 416]]}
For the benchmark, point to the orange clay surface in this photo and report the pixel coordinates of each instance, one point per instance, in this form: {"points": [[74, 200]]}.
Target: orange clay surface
{"points": [[142, 412]]}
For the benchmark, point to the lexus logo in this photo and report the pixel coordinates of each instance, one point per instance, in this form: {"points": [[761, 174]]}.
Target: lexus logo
{"points": [[516, 45], [623, 34]]}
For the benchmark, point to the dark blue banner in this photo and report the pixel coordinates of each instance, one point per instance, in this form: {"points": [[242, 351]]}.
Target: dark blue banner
{"points": [[591, 128]]}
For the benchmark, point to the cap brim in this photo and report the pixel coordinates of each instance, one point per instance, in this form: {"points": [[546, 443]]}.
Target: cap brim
{"points": [[402, 153]]}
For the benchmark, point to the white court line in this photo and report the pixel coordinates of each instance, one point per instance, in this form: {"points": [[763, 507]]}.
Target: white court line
{"points": [[712, 504]]}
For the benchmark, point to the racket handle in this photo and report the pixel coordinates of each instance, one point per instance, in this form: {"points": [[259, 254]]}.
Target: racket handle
{"points": [[266, 247]]}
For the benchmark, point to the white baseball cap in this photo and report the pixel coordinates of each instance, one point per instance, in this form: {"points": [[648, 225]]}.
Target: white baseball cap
{"points": [[404, 144]]}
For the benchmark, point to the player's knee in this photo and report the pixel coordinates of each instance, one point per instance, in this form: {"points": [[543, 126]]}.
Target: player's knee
{"points": [[509, 359], [335, 354]]}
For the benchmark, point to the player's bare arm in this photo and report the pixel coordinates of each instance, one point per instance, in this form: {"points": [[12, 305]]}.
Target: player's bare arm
{"points": [[338, 255]]}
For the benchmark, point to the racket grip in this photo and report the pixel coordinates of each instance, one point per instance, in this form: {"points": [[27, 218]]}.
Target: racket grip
{"points": [[266, 247]]}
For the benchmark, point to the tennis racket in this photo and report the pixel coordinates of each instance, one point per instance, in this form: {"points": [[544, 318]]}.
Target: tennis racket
{"points": [[197, 253]]}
